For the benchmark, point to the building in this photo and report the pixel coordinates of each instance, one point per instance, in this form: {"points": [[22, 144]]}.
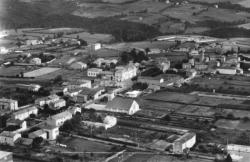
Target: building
{"points": [[110, 121], [200, 66], [133, 94], [88, 94], [151, 80], [78, 66], [20, 124], [105, 62], [46, 100], [76, 84], [74, 109], [57, 104], [9, 138], [38, 133], [96, 46], [36, 61], [6, 156], [186, 66], [25, 112], [186, 141], [227, 70], [93, 72], [8, 104], [51, 131], [29, 87], [122, 105], [58, 119], [123, 73]]}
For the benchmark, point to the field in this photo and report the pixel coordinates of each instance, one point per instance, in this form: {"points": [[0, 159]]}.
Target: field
{"points": [[233, 124], [40, 72], [81, 145], [11, 71], [246, 26]]}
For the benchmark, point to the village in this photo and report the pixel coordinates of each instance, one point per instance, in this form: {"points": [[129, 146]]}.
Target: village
{"points": [[70, 95]]}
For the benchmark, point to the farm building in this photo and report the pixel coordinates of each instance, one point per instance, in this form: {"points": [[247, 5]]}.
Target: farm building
{"points": [[186, 141], [133, 94], [123, 105], [8, 104], [94, 72], [25, 112], [225, 70], [78, 66], [88, 94], [58, 119], [29, 87], [9, 138]]}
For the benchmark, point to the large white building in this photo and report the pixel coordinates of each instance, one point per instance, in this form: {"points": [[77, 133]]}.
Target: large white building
{"points": [[8, 104], [123, 73], [58, 119], [9, 138], [36, 61], [25, 112], [123, 105], [186, 141], [46, 100], [93, 72]]}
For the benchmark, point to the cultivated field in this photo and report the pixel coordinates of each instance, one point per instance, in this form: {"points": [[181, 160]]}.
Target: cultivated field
{"points": [[40, 72]]}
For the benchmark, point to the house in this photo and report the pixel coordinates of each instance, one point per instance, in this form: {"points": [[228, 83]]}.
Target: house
{"points": [[51, 131], [9, 138], [38, 133], [46, 100], [8, 104], [57, 104], [74, 109], [123, 73], [6, 156], [122, 105], [78, 66], [21, 124], [73, 93], [25, 112], [36, 61], [186, 141], [58, 119], [93, 72], [133, 94], [76, 84], [186, 66], [88, 94], [150, 80], [107, 62], [96, 46], [200, 66]]}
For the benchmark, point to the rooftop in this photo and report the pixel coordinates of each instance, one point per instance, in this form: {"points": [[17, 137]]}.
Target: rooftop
{"points": [[24, 110], [122, 103], [185, 137], [4, 154], [7, 134], [61, 115]]}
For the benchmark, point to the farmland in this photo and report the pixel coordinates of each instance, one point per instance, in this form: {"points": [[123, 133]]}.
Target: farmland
{"points": [[40, 72]]}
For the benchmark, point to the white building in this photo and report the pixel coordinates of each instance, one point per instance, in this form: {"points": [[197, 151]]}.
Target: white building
{"points": [[133, 94], [46, 100], [30, 87], [16, 122], [31, 42], [36, 61], [101, 61], [227, 70], [51, 131], [25, 112], [122, 105], [9, 138], [3, 50], [78, 66], [123, 73], [8, 104], [58, 119], [110, 121], [57, 104], [96, 46], [186, 141], [94, 72]]}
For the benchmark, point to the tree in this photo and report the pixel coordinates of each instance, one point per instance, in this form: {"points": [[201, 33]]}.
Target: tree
{"points": [[37, 141], [228, 159], [58, 79]]}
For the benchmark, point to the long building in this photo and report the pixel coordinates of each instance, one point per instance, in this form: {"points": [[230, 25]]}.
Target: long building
{"points": [[8, 104]]}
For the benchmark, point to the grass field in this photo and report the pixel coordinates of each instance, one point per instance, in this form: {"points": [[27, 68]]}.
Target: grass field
{"points": [[40, 72], [11, 71], [233, 124]]}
